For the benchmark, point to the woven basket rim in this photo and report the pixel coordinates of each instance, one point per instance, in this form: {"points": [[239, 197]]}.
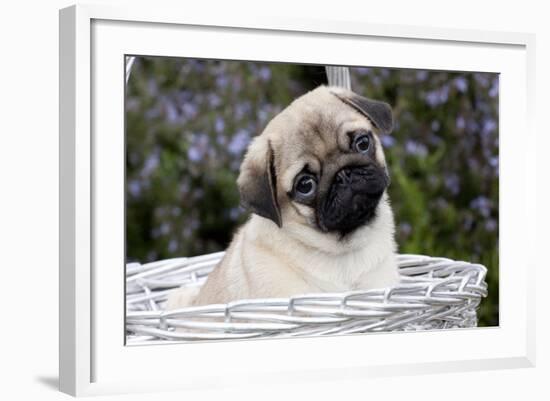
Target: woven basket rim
{"points": [[432, 289]]}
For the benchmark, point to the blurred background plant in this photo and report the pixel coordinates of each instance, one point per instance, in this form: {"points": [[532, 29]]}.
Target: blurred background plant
{"points": [[189, 121]]}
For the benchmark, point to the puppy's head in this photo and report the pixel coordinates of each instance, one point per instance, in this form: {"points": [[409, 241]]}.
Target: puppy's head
{"points": [[319, 163]]}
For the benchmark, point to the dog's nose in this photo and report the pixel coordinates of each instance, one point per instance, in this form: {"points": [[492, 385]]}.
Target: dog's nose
{"points": [[344, 176], [347, 175]]}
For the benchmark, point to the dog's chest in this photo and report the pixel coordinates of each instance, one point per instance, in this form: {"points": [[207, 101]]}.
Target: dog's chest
{"points": [[335, 273]]}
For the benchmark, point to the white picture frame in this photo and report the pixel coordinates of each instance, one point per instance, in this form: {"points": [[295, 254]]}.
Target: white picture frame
{"points": [[93, 358]]}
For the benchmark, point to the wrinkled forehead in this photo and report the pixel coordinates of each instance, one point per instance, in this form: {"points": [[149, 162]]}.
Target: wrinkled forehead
{"points": [[312, 128], [318, 118]]}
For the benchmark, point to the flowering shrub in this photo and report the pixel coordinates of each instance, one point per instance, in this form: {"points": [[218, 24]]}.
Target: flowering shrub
{"points": [[189, 122]]}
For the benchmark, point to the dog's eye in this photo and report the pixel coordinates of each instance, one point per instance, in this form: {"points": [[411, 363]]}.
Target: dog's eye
{"points": [[306, 185], [361, 144]]}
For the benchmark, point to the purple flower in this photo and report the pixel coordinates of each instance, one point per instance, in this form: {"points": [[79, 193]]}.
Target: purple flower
{"points": [[222, 81], [234, 213], [199, 147], [212, 153], [461, 84], [435, 140], [152, 87], [196, 65], [132, 104], [242, 109], [152, 113], [173, 245], [438, 96], [239, 142], [491, 225], [472, 126], [482, 78], [202, 139], [187, 232], [415, 148], [219, 125], [194, 223], [236, 83], [405, 228], [387, 141], [151, 164], [489, 125], [493, 92], [170, 112], [460, 123], [376, 80], [363, 70], [421, 75], [184, 188], [432, 98], [452, 183], [151, 255], [482, 204], [185, 96], [473, 164], [165, 228], [263, 115], [190, 110], [234, 165], [134, 187], [264, 73], [444, 93], [214, 100], [194, 154]]}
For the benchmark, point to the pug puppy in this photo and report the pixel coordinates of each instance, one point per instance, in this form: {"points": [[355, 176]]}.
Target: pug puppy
{"points": [[315, 181]]}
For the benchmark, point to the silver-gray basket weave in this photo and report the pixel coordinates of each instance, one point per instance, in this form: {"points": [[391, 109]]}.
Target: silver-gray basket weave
{"points": [[434, 293]]}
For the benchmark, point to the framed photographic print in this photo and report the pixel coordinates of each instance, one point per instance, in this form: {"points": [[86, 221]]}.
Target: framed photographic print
{"points": [[335, 192]]}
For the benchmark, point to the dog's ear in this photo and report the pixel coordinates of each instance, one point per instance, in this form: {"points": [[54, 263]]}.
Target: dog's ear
{"points": [[257, 181], [378, 112]]}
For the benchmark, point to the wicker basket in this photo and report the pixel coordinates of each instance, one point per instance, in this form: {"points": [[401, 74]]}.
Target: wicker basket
{"points": [[434, 293]]}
